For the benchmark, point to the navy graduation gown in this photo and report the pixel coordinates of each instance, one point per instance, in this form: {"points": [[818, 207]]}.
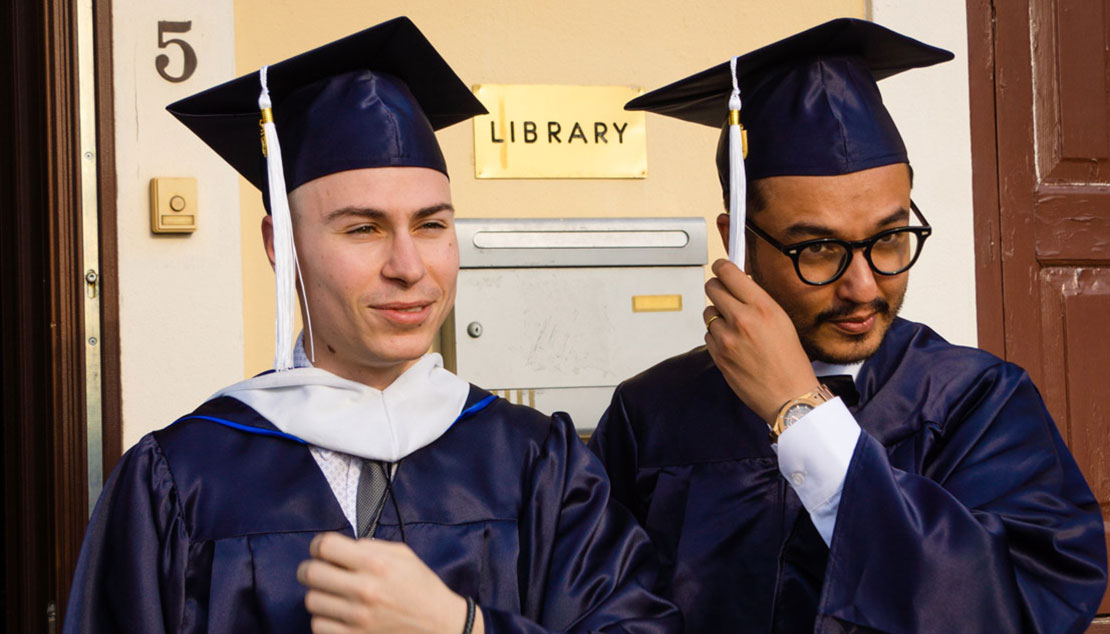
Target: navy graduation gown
{"points": [[202, 525], [962, 510]]}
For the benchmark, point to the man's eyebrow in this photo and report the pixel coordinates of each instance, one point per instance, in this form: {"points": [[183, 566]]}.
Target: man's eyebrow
{"points": [[433, 210], [805, 229], [899, 215], [370, 213]]}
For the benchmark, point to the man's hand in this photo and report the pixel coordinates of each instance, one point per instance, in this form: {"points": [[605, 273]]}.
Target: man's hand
{"points": [[377, 586], [754, 343]]}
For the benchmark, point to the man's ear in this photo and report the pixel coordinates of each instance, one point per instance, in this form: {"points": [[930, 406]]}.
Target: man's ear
{"points": [[268, 237], [722, 228]]}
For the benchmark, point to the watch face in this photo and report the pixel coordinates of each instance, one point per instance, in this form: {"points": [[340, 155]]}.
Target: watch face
{"points": [[795, 414]]}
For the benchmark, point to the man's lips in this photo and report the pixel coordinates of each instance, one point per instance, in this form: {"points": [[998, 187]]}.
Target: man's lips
{"points": [[404, 313], [854, 324]]}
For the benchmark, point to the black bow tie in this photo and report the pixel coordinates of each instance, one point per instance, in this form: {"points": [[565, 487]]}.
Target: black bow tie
{"points": [[842, 385]]}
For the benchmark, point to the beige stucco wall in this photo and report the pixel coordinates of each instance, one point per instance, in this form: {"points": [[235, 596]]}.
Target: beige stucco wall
{"points": [[180, 296], [645, 44], [931, 108]]}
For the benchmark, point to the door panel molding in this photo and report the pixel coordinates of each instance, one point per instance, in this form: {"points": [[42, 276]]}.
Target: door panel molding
{"points": [[1071, 113], [990, 314], [1072, 224]]}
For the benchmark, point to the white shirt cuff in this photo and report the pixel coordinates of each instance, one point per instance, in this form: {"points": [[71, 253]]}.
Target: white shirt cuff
{"points": [[814, 455]]}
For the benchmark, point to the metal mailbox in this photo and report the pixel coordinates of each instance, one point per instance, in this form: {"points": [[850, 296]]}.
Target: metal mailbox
{"points": [[553, 313]]}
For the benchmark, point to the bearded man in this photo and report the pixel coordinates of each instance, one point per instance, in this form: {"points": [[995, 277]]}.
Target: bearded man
{"points": [[932, 492]]}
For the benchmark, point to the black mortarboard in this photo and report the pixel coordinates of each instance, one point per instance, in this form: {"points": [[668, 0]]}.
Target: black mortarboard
{"points": [[810, 102], [372, 99]]}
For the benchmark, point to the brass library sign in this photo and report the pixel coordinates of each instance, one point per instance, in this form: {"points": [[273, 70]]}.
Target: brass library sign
{"points": [[542, 131]]}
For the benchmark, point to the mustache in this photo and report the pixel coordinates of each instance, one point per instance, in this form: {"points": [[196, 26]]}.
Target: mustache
{"points": [[878, 305]]}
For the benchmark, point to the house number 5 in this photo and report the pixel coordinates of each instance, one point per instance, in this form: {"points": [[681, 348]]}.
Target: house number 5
{"points": [[190, 57]]}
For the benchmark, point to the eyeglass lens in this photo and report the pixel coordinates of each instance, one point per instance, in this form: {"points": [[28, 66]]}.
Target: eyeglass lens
{"points": [[889, 255]]}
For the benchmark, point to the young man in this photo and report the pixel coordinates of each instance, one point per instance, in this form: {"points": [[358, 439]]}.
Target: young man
{"points": [[487, 516], [934, 494]]}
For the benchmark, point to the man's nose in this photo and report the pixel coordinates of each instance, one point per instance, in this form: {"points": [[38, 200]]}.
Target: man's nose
{"points": [[858, 284], [405, 263]]}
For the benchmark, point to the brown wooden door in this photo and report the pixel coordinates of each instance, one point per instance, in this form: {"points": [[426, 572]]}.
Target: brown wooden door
{"points": [[1041, 153], [43, 476]]}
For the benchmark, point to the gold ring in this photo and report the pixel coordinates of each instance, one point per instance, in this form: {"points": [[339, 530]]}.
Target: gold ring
{"points": [[710, 321]]}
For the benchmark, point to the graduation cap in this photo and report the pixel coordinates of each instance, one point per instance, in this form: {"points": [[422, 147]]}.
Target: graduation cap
{"points": [[811, 106], [372, 99]]}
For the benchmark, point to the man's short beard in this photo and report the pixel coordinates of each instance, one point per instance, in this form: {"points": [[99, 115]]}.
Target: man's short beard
{"points": [[884, 316], [807, 332]]}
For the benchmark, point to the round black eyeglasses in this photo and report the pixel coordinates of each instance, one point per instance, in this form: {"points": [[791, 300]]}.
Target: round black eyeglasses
{"points": [[822, 261]]}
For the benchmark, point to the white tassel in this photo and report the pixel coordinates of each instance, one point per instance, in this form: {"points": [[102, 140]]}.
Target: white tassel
{"points": [[737, 181], [286, 267]]}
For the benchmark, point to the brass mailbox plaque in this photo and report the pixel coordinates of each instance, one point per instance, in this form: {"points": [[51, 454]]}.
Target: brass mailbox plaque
{"points": [[544, 131], [656, 303]]}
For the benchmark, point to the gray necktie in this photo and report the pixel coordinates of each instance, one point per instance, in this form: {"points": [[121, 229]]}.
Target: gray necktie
{"points": [[371, 496]]}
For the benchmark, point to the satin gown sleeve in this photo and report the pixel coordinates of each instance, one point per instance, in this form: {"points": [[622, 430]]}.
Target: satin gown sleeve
{"points": [[589, 567], [997, 533], [616, 445], [130, 576]]}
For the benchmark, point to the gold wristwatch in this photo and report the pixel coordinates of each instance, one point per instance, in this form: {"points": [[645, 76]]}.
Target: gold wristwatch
{"points": [[793, 410]]}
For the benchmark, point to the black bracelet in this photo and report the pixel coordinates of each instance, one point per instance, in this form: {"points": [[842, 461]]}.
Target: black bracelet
{"points": [[469, 616]]}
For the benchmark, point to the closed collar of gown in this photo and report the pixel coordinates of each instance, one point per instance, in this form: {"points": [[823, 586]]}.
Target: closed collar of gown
{"points": [[829, 369], [343, 415]]}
